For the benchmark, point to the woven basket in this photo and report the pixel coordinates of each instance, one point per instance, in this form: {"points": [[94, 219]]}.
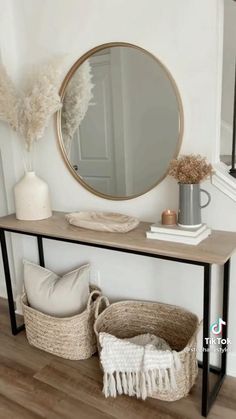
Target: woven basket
{"points": [[177, 326], [70, 338]]}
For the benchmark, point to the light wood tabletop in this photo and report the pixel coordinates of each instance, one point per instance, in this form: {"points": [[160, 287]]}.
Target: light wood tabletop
{"points": [[217, 248]]}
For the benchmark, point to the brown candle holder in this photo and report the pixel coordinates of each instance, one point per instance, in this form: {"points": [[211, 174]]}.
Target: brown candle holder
{"points": [[169, 217]]}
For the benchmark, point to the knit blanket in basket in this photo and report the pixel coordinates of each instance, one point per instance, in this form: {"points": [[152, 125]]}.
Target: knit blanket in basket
{"points": [[138, 366]]}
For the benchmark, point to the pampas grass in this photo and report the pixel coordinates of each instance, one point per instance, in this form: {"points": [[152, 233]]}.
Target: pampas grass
{"points": [[28, 111], [40, 101], [77, 99], [9, 100]]}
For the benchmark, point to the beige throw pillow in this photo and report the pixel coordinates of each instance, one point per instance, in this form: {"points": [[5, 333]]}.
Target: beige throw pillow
{"points": [[54, 295]]}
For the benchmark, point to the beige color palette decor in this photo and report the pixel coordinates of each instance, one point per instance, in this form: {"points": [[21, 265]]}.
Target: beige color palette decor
{"points": [[67, 337], [103, 221], [32, 198], [217, 248], [27, 111], [46, 291], [134, 366], [76, 102], [176, 325]]}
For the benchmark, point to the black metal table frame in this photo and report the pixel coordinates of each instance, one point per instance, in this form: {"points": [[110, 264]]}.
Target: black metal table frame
{"points": [[208, 396]]}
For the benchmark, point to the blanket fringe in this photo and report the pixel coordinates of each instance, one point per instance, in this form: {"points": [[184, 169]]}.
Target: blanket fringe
{"points": [[105, 385], [118, 383], [112, 385], [124, 383], [148, 382], [139, 383], [153, 380], [130, 384], [177, 361], [143, 386]]}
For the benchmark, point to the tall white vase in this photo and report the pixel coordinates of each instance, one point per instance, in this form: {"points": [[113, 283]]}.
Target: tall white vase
{"points": [[32, 199]]}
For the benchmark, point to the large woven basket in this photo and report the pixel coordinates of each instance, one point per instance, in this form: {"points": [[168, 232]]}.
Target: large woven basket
{"points": [[177, 326], [71, 337]]}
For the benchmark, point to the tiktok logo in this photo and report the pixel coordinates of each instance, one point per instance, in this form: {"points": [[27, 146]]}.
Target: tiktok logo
{"points": [[216, 327]]}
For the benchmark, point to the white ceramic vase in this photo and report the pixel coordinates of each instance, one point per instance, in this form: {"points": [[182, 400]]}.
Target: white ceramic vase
{"points": [[32, 199]]}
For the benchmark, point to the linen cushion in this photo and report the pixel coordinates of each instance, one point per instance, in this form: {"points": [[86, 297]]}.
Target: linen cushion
{"points": [[54, 295]]}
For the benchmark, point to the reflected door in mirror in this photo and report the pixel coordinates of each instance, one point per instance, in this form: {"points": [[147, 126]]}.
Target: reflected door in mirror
{"points": [[132, 122]]}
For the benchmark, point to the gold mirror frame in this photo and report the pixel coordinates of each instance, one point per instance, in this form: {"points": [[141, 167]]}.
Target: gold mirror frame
{"points": [[65, 82]]}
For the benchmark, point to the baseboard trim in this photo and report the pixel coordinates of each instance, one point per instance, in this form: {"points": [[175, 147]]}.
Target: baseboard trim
{"points": [[3, 293], [231, 361]]}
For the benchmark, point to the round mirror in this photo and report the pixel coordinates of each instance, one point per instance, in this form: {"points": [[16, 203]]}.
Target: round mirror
{"points": [[121, 121]]}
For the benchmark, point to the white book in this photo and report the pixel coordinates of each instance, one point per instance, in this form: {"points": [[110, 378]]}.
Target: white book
{"points": [[177, 230], [179, 239]]}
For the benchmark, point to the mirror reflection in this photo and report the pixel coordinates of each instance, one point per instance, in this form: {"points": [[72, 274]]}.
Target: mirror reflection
{"points": [[121, 121]]}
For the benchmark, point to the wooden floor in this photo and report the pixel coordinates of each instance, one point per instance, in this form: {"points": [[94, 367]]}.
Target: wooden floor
{"points": [[34, 384]]}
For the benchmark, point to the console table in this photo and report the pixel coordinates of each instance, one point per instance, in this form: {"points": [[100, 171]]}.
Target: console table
{"points": [[216, 249]]}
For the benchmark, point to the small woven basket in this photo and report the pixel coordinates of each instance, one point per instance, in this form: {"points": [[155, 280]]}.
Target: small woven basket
{"points": [[177, 326], [70, 338]]}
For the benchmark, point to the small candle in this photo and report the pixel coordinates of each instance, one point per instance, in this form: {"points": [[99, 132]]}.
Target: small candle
{"points": [[169, 217]]}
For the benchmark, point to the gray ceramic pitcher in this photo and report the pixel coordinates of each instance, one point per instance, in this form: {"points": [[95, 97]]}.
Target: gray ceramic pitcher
{"points": [[190, 205]]}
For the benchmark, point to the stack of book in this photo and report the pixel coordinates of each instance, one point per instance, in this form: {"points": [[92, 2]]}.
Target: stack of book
{"points": [[178, 234]]}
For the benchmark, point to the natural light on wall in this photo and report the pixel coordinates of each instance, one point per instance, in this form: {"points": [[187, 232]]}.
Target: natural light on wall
{"points": [[229, 56]]}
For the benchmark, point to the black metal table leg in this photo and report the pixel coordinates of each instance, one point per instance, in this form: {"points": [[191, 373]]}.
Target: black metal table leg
{"points": [[40, 249], [206, 329], [208, 397], [15, 329], [225, 316]]}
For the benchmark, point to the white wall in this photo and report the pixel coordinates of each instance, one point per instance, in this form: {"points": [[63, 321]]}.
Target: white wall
{"points": [[10, 164], [184, 35], [229, 61], [228, 75]]}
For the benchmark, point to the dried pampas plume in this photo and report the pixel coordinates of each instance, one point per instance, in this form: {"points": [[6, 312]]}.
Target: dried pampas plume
{"points": [[41, 100], [28, 112], [77, 99], [9, 100]]}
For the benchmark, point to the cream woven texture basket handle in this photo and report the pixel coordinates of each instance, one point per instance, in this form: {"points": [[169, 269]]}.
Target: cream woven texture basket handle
{"points": [[195, 333], [90, 299], [101, 299]]}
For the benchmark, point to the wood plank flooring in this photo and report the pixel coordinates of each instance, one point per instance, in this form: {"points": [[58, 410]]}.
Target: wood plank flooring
{"points": [[34, 384]]}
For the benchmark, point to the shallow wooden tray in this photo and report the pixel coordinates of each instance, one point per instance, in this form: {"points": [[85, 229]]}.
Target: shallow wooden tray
{"points": [[103, 221]]}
